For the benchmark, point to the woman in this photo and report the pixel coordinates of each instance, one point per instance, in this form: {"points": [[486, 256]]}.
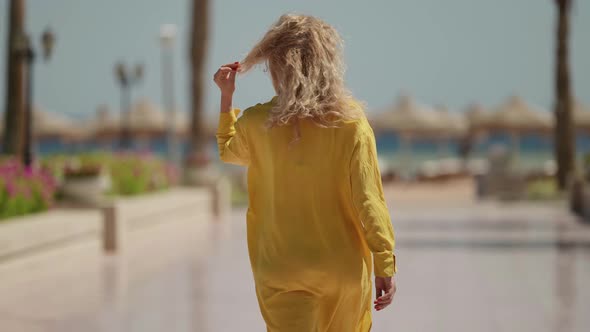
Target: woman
{"points": [[317, 220]]}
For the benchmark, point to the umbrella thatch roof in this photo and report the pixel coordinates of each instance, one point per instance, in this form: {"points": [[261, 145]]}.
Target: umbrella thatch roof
{"points": [[476, 115], [51, 124], [449, 123], [104, 123], [517, 116], [182, 124], [407, 117], [581, 115], [145, 116]]}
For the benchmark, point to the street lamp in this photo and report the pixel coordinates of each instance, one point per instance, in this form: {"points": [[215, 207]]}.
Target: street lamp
{"points": [[24, 49], [126, 78], [47, 40], [168, 34]]}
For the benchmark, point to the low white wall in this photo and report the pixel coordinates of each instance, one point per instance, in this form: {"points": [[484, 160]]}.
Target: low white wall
{"points": [[54, 228], [126, 214], [109, 225]]}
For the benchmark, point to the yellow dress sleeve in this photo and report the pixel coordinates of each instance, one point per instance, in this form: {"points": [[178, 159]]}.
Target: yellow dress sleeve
{"points": [[231, 139], [369, 203]]}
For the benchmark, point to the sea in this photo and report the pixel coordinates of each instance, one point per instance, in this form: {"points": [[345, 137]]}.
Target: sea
{"points": [[533, 150]]}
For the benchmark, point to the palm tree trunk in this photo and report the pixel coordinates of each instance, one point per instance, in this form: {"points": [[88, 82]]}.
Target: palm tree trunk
{"points": [[15, 83], [564, 129], [198, 48]]}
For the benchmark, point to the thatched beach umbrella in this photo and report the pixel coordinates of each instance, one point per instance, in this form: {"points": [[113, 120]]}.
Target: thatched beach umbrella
{"points": [[146, 119], [581, 116], [450, 126], [54, 125], [407, 118], [476, 116], [104, 125], [182, 124], [516, 117]]}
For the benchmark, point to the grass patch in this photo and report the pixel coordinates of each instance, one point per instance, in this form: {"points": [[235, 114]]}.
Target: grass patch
{"points": [[542, 189]]}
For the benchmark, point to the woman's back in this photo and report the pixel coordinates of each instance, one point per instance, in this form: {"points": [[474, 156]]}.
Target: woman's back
{"points": [[300, 193], [317, 219]]}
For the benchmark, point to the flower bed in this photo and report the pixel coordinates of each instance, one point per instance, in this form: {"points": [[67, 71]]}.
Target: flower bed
{"points": [[24, 190], [34, 189], [134, 174], [130, 173]]}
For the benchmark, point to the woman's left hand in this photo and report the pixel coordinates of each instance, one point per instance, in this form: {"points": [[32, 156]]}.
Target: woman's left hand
{"points": [[385, 289], [225, 78]]}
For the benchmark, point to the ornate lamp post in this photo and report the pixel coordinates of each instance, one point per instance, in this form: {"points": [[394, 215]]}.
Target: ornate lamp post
{"points": [[127, 78], [167, 41], [25, 49]]}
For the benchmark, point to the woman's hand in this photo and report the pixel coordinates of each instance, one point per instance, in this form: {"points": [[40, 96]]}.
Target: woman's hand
{"points": [[385, 289], [225, 78]]}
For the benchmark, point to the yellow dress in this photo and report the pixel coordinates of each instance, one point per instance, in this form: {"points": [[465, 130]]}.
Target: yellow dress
{"points": [[317, 221]]}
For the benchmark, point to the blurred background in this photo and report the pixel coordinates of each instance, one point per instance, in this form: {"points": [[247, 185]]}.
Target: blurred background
{"points": [[117, 215]]}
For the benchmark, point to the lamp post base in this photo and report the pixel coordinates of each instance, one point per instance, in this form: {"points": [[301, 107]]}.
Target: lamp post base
{"points": [[201, 175]]}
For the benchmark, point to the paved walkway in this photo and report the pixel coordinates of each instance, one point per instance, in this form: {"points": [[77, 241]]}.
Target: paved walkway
{"points": [[461, 268]]}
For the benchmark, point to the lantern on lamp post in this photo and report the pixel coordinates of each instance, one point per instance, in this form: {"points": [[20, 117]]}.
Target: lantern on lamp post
{"points": [[126, 78]]}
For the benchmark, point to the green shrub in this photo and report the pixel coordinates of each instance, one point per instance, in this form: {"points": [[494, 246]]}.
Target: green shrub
{"points": [[542, 189]]}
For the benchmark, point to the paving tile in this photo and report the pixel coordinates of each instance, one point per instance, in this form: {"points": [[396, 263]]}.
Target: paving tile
{"points": [[475, 267]]}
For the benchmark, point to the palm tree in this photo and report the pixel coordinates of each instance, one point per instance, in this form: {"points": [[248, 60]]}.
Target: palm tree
{"points": [[564, 129], [15, 82], [198, 47]]}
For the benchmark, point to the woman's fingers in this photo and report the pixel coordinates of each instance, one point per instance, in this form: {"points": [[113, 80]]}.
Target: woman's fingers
{"points": [[384, 300], [224, 73], [225, 77], [387, 297], [226, 69], [378, 291], [232, 66], [223, 70], [387, 300], [382, 303], [378, 294], [232, 75]]}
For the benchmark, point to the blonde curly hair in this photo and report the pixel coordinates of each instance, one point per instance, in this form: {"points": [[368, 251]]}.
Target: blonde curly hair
{"points": [[304, 57]]}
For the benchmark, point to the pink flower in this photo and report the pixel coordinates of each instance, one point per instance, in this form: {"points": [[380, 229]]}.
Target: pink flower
{"points": [[25, 182], [28, 172]]}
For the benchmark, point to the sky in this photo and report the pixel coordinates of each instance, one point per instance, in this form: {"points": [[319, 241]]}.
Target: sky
{"points": [[450, 52]]}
